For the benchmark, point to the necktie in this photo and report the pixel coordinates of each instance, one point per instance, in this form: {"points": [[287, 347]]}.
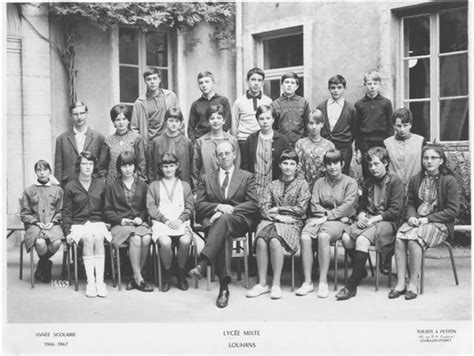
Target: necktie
{"points": [[226, 181]]}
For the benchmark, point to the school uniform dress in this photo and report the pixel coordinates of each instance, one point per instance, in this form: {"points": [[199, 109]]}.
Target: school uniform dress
{"points": [[83, 210], [292, 200], [41, 203], [310, 154], [114, 145], [332, 202], [180, 146], [405, 156], [204, 157], [122, 202], [437, 199], [381, 197], [169, 203], [291, 117]]}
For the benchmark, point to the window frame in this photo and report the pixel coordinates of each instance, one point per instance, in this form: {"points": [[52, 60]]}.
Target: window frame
{"points": [[434, 56], [141, 36]]}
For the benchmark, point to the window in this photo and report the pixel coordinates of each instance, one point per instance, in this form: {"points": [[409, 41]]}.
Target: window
{"points": [[279, 52], [435, 73], [138, 50]]}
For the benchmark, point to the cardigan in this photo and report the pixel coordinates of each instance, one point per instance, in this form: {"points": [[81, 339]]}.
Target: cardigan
{"points": [[244, 121], [447, 207], [153, 201], [249, 155], [116, 206], [344, 130], [80, 205]]}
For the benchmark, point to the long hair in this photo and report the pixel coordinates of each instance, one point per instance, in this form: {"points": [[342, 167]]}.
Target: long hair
{"points": [[167, 158], [443, 168]]}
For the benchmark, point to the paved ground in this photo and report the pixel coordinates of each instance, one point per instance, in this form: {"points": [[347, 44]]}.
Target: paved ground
{"points": [[442, 301]]}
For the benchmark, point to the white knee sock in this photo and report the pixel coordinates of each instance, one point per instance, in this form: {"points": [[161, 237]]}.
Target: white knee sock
{"points": [[89, 267], [99, 262]]}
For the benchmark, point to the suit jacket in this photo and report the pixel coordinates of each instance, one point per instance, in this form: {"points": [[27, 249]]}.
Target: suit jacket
{"points": [[242, 195], [344, 131], [66, 154]]}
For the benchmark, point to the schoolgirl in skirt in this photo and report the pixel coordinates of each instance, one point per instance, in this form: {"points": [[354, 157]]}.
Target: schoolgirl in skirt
{"points": [[170, 205], [83, 221], [41, 206], [125, 210], [433, 205]]}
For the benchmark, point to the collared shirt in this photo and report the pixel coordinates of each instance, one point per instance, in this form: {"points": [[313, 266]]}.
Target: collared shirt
{"points": [[222, 174], [334, 108], [291, 117], [244, 121], [80, 137], [156, 109], [39, 184]]}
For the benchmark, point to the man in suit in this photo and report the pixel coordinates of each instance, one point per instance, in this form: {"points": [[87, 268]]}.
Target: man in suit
{"points": [[226, 204], [74, 141]]}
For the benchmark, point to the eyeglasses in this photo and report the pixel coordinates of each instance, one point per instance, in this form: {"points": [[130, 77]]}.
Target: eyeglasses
{"points": [[431, 158]]}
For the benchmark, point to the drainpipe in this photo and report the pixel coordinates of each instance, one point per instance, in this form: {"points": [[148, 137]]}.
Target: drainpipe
{"points": [[239, 73]]}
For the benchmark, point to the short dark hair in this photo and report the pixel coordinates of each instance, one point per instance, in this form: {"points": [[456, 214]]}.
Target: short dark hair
{"points": [[42, 163], [337, 79], [215, 109], [317, 116], [255, 70], [289, 154], [205, 74], [287, 75], [174, 113], [263, 108], [124, 158], [168, 158], [87, 155], [151, 71], [379, 152], [333, 156], [118, 109], [404, 115], [78, 104]]}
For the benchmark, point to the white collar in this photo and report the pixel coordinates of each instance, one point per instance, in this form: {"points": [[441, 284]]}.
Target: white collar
{"points": [[38, 184], [77, 132], [339, 101], [231, 171]]}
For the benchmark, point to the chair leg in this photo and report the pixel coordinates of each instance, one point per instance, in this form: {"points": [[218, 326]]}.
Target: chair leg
{"points": [[389, 283], [345, 267], [158, 266], [194, 251], [76, 278], [208, 276], [21, 259], [68, 261], [371, 265], [112, 264], [292, 272], [239, 269], [422, 272], [376, 271], [335, 264], [32, 267], [246, 265], [117, 252], [453, 264]]}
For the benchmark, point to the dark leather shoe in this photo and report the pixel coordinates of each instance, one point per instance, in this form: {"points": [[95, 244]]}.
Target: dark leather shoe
{"points": [[165, 286], [346, 293], [409, 295], [223, 298], [183, 284], [142, 286], [196, 272], [393, 294]]}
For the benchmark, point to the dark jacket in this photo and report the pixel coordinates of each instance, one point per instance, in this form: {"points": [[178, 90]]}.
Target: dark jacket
{"points": [[116, 206], [344, 131], [249, 155], [447, 208]]}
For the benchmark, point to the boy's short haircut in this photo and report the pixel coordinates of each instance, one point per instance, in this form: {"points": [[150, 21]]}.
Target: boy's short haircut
{"points": [[404, 115], [126, 157], [205, 74], [263, 109], [42, 163], [78, 104], [292, 75], [379, 152], [255, 70], [118, 109], [289, 154], [333, 156], [174, 113], [317, 116], [337, 79], [87, 155], [215, 109], [373, 75], [151, 71]]}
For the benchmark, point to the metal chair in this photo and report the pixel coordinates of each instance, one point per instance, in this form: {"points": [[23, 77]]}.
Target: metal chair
{"points": [[453, 265]]}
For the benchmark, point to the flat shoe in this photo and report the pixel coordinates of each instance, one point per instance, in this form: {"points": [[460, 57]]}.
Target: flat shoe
{"points": [[223, 298], [396, 293], [275, 292], [256, 291], [409, 295], [346, 293], [196, 272]]}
